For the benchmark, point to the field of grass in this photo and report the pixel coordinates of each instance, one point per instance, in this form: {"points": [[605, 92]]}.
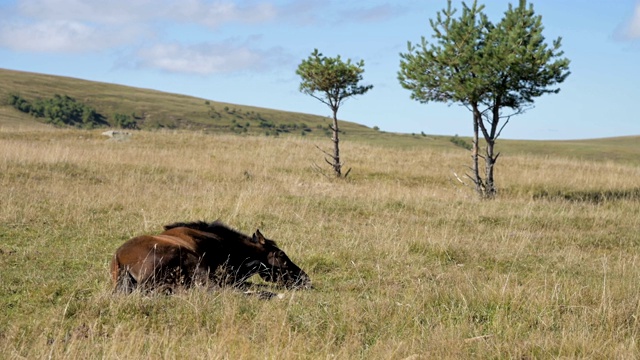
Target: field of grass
{"points": [[406, 262]]}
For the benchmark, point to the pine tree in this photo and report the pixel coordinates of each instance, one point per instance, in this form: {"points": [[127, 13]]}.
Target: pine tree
{"points": [[495, 70], [332, 81]]}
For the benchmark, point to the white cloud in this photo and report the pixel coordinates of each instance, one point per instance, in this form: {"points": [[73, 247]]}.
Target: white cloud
{"points": [[632, 30], [328, 12], [301, 13], [91, 12], [206, 59], [208, 13], [58, 36], [122, 26], [372, 14], [95, 25], [71, 25], [216, 13]]}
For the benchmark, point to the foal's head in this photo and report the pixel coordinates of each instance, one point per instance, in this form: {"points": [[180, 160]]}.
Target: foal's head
{"points": [[276, 267]]}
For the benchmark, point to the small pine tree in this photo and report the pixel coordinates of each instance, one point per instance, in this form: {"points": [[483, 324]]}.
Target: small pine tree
{"points": [[332, 81]]}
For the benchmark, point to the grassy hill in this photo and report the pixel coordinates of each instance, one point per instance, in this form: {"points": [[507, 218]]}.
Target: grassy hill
{"points": [[155, 109], [160, 110]]}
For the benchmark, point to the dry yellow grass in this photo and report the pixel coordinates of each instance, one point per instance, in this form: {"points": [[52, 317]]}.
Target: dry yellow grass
{"points": [[407, 262]]}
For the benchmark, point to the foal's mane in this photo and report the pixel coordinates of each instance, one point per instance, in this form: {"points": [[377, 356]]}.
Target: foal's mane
{"points": [[196, 225], [217, 227]]}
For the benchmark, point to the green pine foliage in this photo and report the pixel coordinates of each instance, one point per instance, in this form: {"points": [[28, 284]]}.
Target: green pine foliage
{"points": [[496, 70], [331, 80]]}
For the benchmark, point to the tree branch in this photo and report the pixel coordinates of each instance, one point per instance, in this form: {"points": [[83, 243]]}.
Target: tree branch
{"points": [[502, 127], [319, 170], [326, 153], [347, 173]]}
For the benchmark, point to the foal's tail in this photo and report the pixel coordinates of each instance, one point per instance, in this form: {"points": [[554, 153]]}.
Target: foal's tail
{"points": [[121, 279]]}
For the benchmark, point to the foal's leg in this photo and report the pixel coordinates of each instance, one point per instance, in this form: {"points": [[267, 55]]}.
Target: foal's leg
{"points": [[125, 282]]}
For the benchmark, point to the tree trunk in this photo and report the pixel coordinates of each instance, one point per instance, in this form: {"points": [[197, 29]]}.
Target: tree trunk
{"points": [[490, 161], [477, 180], [337, 167]]}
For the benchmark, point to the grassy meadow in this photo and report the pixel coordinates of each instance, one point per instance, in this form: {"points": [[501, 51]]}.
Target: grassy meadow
{"points": [[406, 262]]}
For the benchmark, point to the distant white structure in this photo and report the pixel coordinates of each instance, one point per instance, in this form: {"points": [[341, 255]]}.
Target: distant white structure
{"points": [[117, 135]]}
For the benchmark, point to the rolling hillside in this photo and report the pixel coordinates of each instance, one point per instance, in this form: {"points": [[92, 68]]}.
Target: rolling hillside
{"points": [[155, 109], [159, 110]]}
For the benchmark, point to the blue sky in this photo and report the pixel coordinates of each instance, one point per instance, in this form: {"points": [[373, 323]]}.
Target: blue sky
{"points": [[246, 52]]}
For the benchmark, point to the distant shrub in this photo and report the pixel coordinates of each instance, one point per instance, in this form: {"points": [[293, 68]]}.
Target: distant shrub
{"points": [[19, 103], [214, 114], [460, 142], [266, 124], [124, 121], [60, 110]]}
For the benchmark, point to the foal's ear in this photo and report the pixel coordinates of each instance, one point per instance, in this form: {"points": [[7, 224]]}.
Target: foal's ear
{"points": [[258, 237]]}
